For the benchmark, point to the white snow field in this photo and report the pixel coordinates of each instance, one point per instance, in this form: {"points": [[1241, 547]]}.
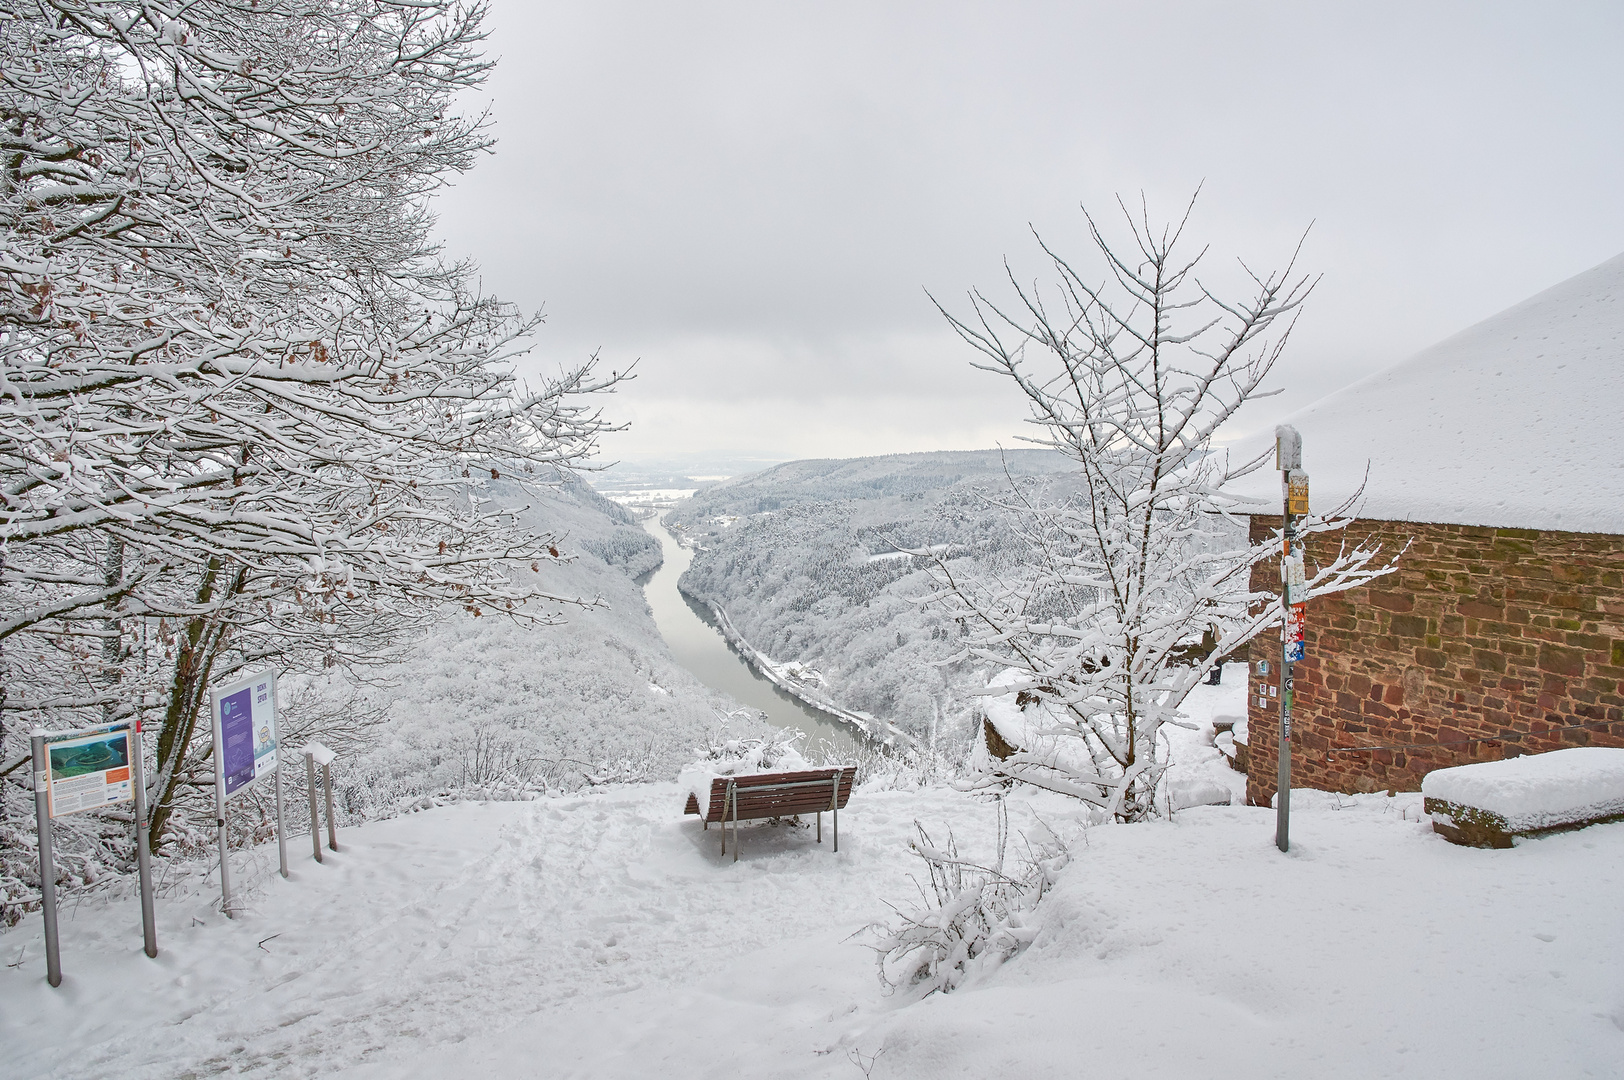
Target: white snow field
{"points": [[602, 935]]}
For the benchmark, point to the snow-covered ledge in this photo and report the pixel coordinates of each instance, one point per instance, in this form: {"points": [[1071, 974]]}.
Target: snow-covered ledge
{"points": [[1486, 804]]}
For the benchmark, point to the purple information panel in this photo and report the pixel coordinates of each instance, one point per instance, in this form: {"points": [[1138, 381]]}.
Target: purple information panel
{"points": [[237, 740], [245, 746]]}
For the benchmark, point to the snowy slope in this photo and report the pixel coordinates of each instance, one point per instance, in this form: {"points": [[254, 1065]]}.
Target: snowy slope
{"points": [[482, 705], [602, 935], [1515, 422]]}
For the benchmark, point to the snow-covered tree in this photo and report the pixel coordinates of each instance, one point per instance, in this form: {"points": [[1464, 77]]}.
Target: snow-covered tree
{"points": [[247, 412], [1130, 369]]}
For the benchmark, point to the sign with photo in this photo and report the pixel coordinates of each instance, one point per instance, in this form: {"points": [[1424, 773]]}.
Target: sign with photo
{"points": [[245, 731], [88, 768]]}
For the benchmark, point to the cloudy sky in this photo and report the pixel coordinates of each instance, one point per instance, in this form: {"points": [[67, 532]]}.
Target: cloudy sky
{"points": [[751, 199]]}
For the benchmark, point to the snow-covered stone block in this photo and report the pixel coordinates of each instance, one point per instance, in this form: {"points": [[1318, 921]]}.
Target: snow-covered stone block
{"points": [[1184, 794], [1230, 741], [1486, 804]]}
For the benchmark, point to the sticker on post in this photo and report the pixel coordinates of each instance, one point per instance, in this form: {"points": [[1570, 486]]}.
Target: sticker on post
{"points": [[1296, 492]]}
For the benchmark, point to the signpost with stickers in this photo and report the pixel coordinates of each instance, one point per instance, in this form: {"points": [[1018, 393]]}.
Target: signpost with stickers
{"points": [[245, 752], [1288, 450]]}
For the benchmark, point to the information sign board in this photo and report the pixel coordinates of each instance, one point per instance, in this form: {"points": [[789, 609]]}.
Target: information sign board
{"points": [[88, 768], [245, 731]]}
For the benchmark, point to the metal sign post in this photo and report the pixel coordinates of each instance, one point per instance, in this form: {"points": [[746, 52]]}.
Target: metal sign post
{"points": [[281, 831], [47, 869], [143, 843], [245, 752], [220, 809], [1288, 447]]}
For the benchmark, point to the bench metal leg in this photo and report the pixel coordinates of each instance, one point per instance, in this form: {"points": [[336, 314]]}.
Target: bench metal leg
{"points": [[834, 808], [820, 826]]}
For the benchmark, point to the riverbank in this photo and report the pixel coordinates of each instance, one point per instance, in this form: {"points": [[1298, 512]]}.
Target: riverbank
{"points": [[697, 642], [876, 730]]}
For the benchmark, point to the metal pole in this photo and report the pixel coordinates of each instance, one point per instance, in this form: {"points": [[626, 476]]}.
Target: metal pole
{"points": [[315, 815], [47, 870], [327, 786], [1282, 813], [143, 842], [1288, 449], [225, 862], [220, 805], [834, 808], [281, 824]]}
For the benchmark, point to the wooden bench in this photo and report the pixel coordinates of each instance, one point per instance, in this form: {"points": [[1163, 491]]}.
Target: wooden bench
{"points": [[770, 795]]}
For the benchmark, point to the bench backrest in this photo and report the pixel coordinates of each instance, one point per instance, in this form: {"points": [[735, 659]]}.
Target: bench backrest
{"points": [[780, 794]]}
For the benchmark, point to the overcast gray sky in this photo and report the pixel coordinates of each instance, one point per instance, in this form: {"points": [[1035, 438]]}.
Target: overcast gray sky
{"points": [[750, 199]]}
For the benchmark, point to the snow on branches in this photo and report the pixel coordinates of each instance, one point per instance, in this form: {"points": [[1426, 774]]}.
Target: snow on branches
{"points": [[971, 917], [248, 414], [1130, 374]]}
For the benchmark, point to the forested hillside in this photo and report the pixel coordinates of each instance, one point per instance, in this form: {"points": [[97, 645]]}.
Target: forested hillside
{"points": [[488, 706], [805, 560]]}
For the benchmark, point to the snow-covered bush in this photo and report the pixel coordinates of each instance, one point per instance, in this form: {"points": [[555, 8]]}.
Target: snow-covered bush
{"points": [[971, 917]]}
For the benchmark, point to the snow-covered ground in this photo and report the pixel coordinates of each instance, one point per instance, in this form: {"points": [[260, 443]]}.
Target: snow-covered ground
{"points": [[602, 935]]}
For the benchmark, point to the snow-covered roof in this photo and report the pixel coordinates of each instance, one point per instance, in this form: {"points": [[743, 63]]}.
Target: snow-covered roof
{"points": [[1515, 422]]}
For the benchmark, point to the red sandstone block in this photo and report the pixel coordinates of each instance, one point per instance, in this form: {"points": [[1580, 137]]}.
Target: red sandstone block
{"points": [[1391, 600], [1561, 661]]}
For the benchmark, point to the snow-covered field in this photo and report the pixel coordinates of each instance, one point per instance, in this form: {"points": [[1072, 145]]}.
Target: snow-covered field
{"points": [[603, 935]]}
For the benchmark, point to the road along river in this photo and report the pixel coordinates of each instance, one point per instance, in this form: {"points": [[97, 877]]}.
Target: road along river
{"points": [[697, 644]]}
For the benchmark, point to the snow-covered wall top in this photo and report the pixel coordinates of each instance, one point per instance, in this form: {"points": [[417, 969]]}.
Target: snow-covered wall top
{"points": [[1515, 422]]}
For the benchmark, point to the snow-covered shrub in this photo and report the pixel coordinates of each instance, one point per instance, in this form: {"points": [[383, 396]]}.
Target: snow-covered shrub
{"points": [[765, 750], [972, 917]]}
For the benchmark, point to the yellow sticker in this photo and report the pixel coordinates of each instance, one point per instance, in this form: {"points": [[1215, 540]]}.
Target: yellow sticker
{"points": [[1297, 493]]}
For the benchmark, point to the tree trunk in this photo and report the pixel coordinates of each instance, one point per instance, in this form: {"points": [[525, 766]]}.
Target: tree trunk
{"points": [[112, 627], [201, 641]]}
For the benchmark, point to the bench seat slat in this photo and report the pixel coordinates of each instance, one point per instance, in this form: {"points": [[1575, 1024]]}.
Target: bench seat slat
{"points": [[788, 793]]}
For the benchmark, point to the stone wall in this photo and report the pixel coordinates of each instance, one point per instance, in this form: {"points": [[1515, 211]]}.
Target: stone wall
{"points": [[1485, 643]]}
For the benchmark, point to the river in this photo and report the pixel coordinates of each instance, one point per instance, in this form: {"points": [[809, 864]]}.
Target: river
{"points": [[698, 645]]}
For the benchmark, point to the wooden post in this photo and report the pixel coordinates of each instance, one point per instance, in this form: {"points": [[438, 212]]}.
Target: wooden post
{"points": [[315, 815], [327, 786]]}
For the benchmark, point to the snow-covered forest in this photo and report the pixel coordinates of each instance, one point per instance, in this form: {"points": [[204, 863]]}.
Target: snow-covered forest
{"points": [[255, 417], [809, 561]]}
